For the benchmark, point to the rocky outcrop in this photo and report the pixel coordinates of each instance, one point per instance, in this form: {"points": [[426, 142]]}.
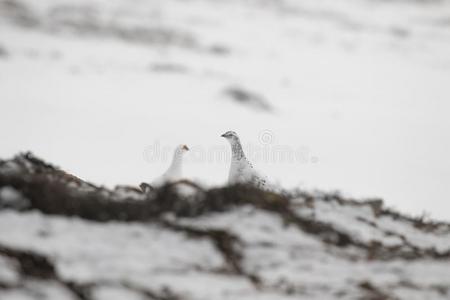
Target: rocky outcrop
{"points": [[64, 238]]}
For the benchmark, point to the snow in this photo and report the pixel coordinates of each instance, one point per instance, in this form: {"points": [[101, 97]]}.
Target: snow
{"points": [[8, 271], [9, 197], [279, 253], [221, 243], [122, 253], [363, 224], [38, 290], [360, 86], [126, 257], [114, 293]]}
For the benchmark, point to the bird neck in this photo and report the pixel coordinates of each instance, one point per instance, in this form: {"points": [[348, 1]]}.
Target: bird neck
{"points": [[176, 165], [236, 151]]}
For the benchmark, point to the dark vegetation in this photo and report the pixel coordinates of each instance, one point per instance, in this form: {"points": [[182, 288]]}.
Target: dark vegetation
{"points": [[52, 191], [3, 52], [86, 20], [249, 98], [168, 68], [55, 192], [34, 266]]}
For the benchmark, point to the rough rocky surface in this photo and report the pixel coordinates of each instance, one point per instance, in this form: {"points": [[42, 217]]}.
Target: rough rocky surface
{"points": [[64, 238]]}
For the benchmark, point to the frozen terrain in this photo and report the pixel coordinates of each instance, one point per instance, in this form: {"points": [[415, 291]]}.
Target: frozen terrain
{"points": [[359, 88], [63, 238]]}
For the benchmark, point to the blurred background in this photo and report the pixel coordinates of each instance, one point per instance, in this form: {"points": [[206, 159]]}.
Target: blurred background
{"points": [[357, 90]]}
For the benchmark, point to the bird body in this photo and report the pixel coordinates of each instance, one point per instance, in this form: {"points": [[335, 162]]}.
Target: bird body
{"points": [[241, 170], [174, 172]]}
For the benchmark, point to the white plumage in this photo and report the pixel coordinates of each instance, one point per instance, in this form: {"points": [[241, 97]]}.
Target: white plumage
{"points": [[175, 171], [241, 170]]}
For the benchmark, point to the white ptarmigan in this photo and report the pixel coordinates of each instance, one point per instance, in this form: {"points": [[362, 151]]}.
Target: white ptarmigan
{"points": [[241, 170], [174, 172]]}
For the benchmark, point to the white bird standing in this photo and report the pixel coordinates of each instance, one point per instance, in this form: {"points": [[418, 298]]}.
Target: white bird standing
{"points": [[241, 170], [174, 172]]}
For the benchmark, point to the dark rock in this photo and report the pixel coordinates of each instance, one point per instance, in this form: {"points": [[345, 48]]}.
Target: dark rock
{"points": [[245, 97]]}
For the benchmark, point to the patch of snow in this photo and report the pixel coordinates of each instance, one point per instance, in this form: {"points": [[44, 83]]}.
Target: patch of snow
{"points": [[116, 293], [38, 290], [132, 250], [10, 197], [8, 272]]}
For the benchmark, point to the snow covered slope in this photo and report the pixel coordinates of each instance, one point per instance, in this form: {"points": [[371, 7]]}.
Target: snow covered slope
{"points": [[68, 239], [358, 87]]}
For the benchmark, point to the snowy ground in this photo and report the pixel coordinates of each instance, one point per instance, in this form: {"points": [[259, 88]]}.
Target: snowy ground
{"points": [[229, 243], [152, 258], [359, 88]]}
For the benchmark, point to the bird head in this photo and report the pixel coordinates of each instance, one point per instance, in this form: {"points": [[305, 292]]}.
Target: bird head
{"points": [[181, 149], [230, 135]]}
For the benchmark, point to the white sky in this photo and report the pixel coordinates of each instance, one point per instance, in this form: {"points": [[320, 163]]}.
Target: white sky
{"points": [[369, 109]]}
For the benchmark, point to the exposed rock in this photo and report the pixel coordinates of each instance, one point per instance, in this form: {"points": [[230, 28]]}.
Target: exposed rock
{"points": [[240, 239], [249, 98]]}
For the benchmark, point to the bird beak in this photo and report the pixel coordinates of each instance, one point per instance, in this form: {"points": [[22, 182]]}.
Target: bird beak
{"points": [[224, 135], [185, 148]]}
